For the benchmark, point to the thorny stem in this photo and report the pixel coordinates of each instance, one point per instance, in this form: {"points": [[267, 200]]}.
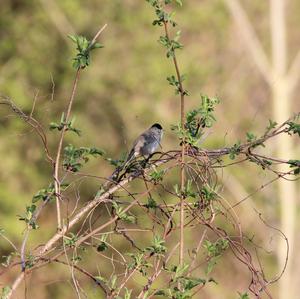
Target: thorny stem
{"points": [[182, 161]]}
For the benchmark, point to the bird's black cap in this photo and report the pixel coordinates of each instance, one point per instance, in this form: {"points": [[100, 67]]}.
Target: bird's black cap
{"points": [[158, 126]]}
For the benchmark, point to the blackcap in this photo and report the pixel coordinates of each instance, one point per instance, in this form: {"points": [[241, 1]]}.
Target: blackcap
{"points": [[147, 143]]}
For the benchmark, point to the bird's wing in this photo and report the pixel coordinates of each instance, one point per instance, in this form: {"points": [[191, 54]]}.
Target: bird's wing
{"points": [[137, 145], [155, 137]]}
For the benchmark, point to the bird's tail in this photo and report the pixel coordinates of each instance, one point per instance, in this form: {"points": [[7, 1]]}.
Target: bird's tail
{"points": [[130, 157], [115, 174]]}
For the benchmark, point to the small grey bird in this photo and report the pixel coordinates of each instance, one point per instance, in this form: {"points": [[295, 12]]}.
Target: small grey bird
{"points": [[147, 143]]}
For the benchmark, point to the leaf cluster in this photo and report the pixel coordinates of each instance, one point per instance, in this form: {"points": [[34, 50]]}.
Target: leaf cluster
{"points": [[187, 190], [5, 291], [45, 194], [214, 251], [28, 217], [207, 193], [103, 244], [74, 158], [181, 278], [243, 295], [174, 82], [119, 211], [235, 150], [272, 125], [71, 240], [197, 120], [216, 248], [30, 261], [69, 126], [161, 14], [158, 246], [151, 204], [171, 44], [83, 47], [295, 164], [139, 263], [157, 175], [293, 128]]}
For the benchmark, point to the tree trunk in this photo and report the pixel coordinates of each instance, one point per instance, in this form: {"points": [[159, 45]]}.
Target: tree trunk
{"points": [[281, 92]]}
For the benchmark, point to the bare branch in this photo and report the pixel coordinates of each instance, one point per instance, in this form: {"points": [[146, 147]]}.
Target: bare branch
{"points": [[182, 165]]}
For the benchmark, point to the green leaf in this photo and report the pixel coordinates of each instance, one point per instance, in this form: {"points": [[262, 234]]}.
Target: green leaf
{"points": [[123, 215], [235, 150], [196, 120], [72, 37], [214, 251], [101, 278], [158, 246], [102, 247], [83, 47], [97, 46], [180, 270], [190, 282], [139, 263], [5, 291], [216, 248], [74, 158], [294, 128], [127, 294], [70, 240], [157, 175], [113, 282], [28, 217], [103, 244], [211, 264], [207, 193], [243, 295], [296, 165], [47, 193], [151, 203], [272, 125], [251, 137], [68, 126]]}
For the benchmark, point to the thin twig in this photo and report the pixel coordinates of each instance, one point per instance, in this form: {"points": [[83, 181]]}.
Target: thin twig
{"points": [[182, 167], [59, 149], [64, 129]]}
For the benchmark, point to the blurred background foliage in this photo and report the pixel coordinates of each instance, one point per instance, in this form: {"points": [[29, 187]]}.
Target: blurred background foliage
{"points": [[123, 92]]}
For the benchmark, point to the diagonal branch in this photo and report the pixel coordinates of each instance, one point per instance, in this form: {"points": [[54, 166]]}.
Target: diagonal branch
{"points": [[252, 43]]}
